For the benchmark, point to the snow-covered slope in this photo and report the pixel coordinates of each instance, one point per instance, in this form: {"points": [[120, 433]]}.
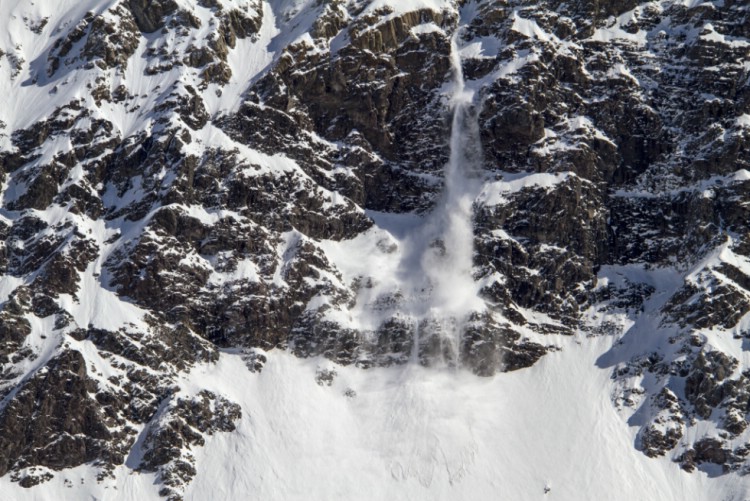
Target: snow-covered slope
{"points": [[549, 432], [423, 249]]}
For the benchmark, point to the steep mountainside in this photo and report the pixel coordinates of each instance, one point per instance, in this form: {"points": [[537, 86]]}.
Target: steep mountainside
{"points": [[481, 192]]}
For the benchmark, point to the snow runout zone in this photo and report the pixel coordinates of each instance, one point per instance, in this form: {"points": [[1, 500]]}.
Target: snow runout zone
{"points": [[412, 432]]}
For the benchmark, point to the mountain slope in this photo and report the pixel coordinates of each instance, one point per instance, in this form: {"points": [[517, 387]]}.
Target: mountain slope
{"points": [[549, 195]]}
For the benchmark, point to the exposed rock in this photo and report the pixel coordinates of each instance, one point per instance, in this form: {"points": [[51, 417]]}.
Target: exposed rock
{"points": [[60, 397], [149, 14], [210, 204], [183, 424]]}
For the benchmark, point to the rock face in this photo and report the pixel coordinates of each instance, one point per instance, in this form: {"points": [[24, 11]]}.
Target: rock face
{"points": [[179, 178], [179, 426]]}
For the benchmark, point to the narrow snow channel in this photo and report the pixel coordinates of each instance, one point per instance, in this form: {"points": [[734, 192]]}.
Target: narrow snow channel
{"points": [[435, 269]]}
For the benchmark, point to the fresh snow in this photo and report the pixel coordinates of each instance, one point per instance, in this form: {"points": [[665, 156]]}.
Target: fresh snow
{"points": [[410, 433], [529, 28], [496, 192], [248, 60], [481, 48]]}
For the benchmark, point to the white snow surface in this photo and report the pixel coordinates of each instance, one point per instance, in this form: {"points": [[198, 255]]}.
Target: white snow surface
{"points": [[495, 193], [413, 433]]}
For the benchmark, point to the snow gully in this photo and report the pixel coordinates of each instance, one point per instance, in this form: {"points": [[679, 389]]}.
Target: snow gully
{"points": [[448, 261]]}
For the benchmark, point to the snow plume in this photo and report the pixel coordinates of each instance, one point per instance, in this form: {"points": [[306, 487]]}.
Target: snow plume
{"points": [[445, 244]]}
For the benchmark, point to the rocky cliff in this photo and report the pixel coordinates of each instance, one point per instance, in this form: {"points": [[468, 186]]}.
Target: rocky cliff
{"points": [[184, 179]]}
